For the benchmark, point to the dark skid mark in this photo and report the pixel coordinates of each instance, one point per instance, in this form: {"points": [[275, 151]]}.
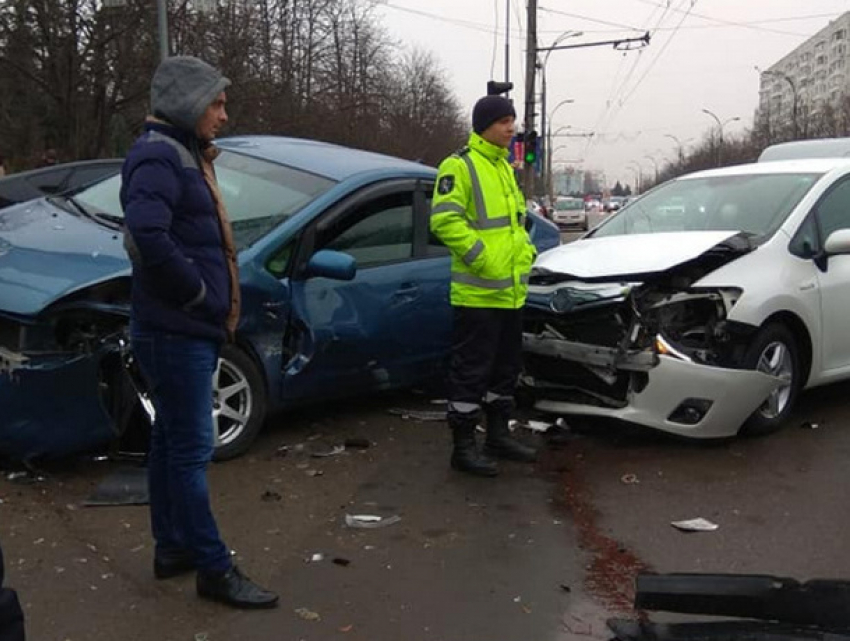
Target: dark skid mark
{"points": [[610, 577]]}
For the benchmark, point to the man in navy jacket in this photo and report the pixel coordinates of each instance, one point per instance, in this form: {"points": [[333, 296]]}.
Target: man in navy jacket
{"points": [[185, 303]]}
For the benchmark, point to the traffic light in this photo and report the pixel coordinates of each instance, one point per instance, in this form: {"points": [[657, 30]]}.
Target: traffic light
{"points": [[494, 88], [530, 156]]}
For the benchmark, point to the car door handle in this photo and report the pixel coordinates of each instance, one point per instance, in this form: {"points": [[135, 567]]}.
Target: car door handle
{"points": [[407, 289]]}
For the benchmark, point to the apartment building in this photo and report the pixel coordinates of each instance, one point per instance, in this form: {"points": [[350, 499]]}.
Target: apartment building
{"points": [[812, 75]]}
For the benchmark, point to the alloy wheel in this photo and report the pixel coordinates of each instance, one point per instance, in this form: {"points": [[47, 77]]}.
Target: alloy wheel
{"points": [[232, 402], [776, 360]]}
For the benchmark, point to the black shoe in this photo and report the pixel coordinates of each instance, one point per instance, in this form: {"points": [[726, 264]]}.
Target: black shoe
{"points": [[235, 589], [171, 565]]}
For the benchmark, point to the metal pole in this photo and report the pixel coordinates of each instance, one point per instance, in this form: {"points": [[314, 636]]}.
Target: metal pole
{"points": [[544, 126], [530, 69], [162, 10], [508, 43]]}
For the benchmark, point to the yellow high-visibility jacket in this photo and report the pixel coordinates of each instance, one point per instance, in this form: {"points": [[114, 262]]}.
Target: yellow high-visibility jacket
{"points": [[478, 212]]}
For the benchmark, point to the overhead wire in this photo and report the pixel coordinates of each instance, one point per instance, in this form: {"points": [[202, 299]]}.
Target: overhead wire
{"points": [[731, 22], [614, 105]]}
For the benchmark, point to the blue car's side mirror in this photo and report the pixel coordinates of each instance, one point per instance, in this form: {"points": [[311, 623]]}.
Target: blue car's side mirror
{"points": [[328, 263]]}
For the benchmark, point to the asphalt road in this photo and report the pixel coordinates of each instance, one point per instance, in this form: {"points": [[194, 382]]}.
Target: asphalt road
{"points": [[540, 553]]}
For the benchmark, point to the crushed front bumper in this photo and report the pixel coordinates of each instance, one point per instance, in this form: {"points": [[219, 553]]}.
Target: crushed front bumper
{"points": [[673, 395]]}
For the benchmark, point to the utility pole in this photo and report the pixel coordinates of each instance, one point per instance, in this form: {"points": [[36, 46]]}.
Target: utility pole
{"points": [[162, 9], [530, 69]]}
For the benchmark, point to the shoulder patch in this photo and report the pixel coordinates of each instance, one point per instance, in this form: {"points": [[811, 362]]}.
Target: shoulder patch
{"points": [[446, 185]]}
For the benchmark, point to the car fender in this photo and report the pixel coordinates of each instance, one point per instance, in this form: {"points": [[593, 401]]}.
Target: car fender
{"points": [[772, 281]]}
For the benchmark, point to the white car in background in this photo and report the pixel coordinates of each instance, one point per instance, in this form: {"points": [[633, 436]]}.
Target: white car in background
{"points": [[569, 213], [702, 308]]}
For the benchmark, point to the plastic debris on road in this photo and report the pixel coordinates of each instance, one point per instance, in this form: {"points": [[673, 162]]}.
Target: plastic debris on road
{"points": [[695, 525], [370, 520], [534, 426]]}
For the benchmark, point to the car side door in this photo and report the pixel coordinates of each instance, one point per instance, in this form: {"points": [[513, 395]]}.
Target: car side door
{"points": [[347, 337], [832, 213]]}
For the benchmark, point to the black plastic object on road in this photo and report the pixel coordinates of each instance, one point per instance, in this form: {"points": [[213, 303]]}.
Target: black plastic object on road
{"points": [[821, 602]]}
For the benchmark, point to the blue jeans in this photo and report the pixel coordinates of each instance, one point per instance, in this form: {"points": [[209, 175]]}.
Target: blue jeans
{"points": [[179, 371]]}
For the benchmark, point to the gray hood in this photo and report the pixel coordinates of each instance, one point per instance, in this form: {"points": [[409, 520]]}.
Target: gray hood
{"points": [[182, 88]]}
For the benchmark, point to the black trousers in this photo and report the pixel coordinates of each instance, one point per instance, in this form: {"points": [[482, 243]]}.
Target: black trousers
{"points": [[486, 357], [11, 614]]}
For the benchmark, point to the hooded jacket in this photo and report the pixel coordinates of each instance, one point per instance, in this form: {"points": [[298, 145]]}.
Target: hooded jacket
{"points": [[176, 237]]}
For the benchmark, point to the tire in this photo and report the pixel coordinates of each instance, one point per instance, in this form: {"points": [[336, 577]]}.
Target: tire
{"points": [[239, 403], [774, 351]]}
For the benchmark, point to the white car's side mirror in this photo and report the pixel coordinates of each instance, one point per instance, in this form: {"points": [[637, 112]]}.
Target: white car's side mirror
{"points": [[838, 242]]}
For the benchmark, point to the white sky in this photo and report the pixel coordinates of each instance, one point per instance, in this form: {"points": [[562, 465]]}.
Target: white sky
{"points": [[632, 101]]}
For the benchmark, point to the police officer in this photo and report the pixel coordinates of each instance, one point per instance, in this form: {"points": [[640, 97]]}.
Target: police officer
{"points": [[478, 212]]}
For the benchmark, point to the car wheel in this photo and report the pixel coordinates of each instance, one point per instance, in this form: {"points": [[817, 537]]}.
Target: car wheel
{"points": [[239, 403], [774, 351]]}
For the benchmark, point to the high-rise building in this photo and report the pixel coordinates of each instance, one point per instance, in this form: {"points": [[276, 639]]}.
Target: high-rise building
{"points": [[814, 74]]}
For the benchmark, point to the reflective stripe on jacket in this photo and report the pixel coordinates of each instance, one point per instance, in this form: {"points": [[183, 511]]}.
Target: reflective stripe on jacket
{"points": [[478, 212]]}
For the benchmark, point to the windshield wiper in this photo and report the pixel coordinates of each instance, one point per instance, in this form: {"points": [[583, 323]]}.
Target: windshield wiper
{"points": [[108, 220]]}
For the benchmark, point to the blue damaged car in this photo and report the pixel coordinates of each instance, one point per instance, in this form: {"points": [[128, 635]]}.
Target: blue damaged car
{"points": [[344, 292]]}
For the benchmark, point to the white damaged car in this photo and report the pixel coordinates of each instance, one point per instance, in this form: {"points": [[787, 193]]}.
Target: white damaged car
{"points": [[702, 308]]}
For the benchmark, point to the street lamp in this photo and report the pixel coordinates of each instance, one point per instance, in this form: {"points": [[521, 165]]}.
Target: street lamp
{"points": [[720, 126], [544, 124], [635, 167], [790, 81], [549, 119], [654, 162], [680, 148]]}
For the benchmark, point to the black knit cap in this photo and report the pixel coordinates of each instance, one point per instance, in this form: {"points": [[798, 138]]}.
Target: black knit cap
{"points": [[490, 109]]}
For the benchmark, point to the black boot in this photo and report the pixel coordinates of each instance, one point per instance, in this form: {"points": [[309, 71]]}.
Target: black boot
{"points": [[500, 443], [235, 589], [465, 455]]}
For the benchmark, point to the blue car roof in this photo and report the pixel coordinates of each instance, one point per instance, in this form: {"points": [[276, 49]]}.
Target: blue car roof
{"points": [[321, 158]]}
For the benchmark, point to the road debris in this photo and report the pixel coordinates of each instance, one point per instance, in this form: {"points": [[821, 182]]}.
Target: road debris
{"points": [[340, 561], [315, 558], [333, 451], [629, 479], [810, 425], [370, 520], [695, 525], [418, 415], [357, 443], [270, 495], [308, 615]]}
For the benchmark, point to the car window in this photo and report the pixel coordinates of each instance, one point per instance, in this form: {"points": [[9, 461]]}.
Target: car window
{"points": [[805, 241], [435, 245], [374, 233], [756, 204], [258, 195], [834, 210], [569, 204]]}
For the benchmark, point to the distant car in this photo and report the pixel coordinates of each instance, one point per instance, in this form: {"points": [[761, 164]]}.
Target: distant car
{"points": [[614, 203], [799, 149], [569, 213], [344, 292], [55, 179], [703, 307]]}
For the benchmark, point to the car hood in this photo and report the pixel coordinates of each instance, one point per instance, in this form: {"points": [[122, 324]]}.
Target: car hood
{"points": [[47, 253], [637, 255]]}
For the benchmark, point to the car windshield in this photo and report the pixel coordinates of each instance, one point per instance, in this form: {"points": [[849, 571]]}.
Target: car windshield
{"points": [[756, 204], [259, 195], [568, 204]]}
